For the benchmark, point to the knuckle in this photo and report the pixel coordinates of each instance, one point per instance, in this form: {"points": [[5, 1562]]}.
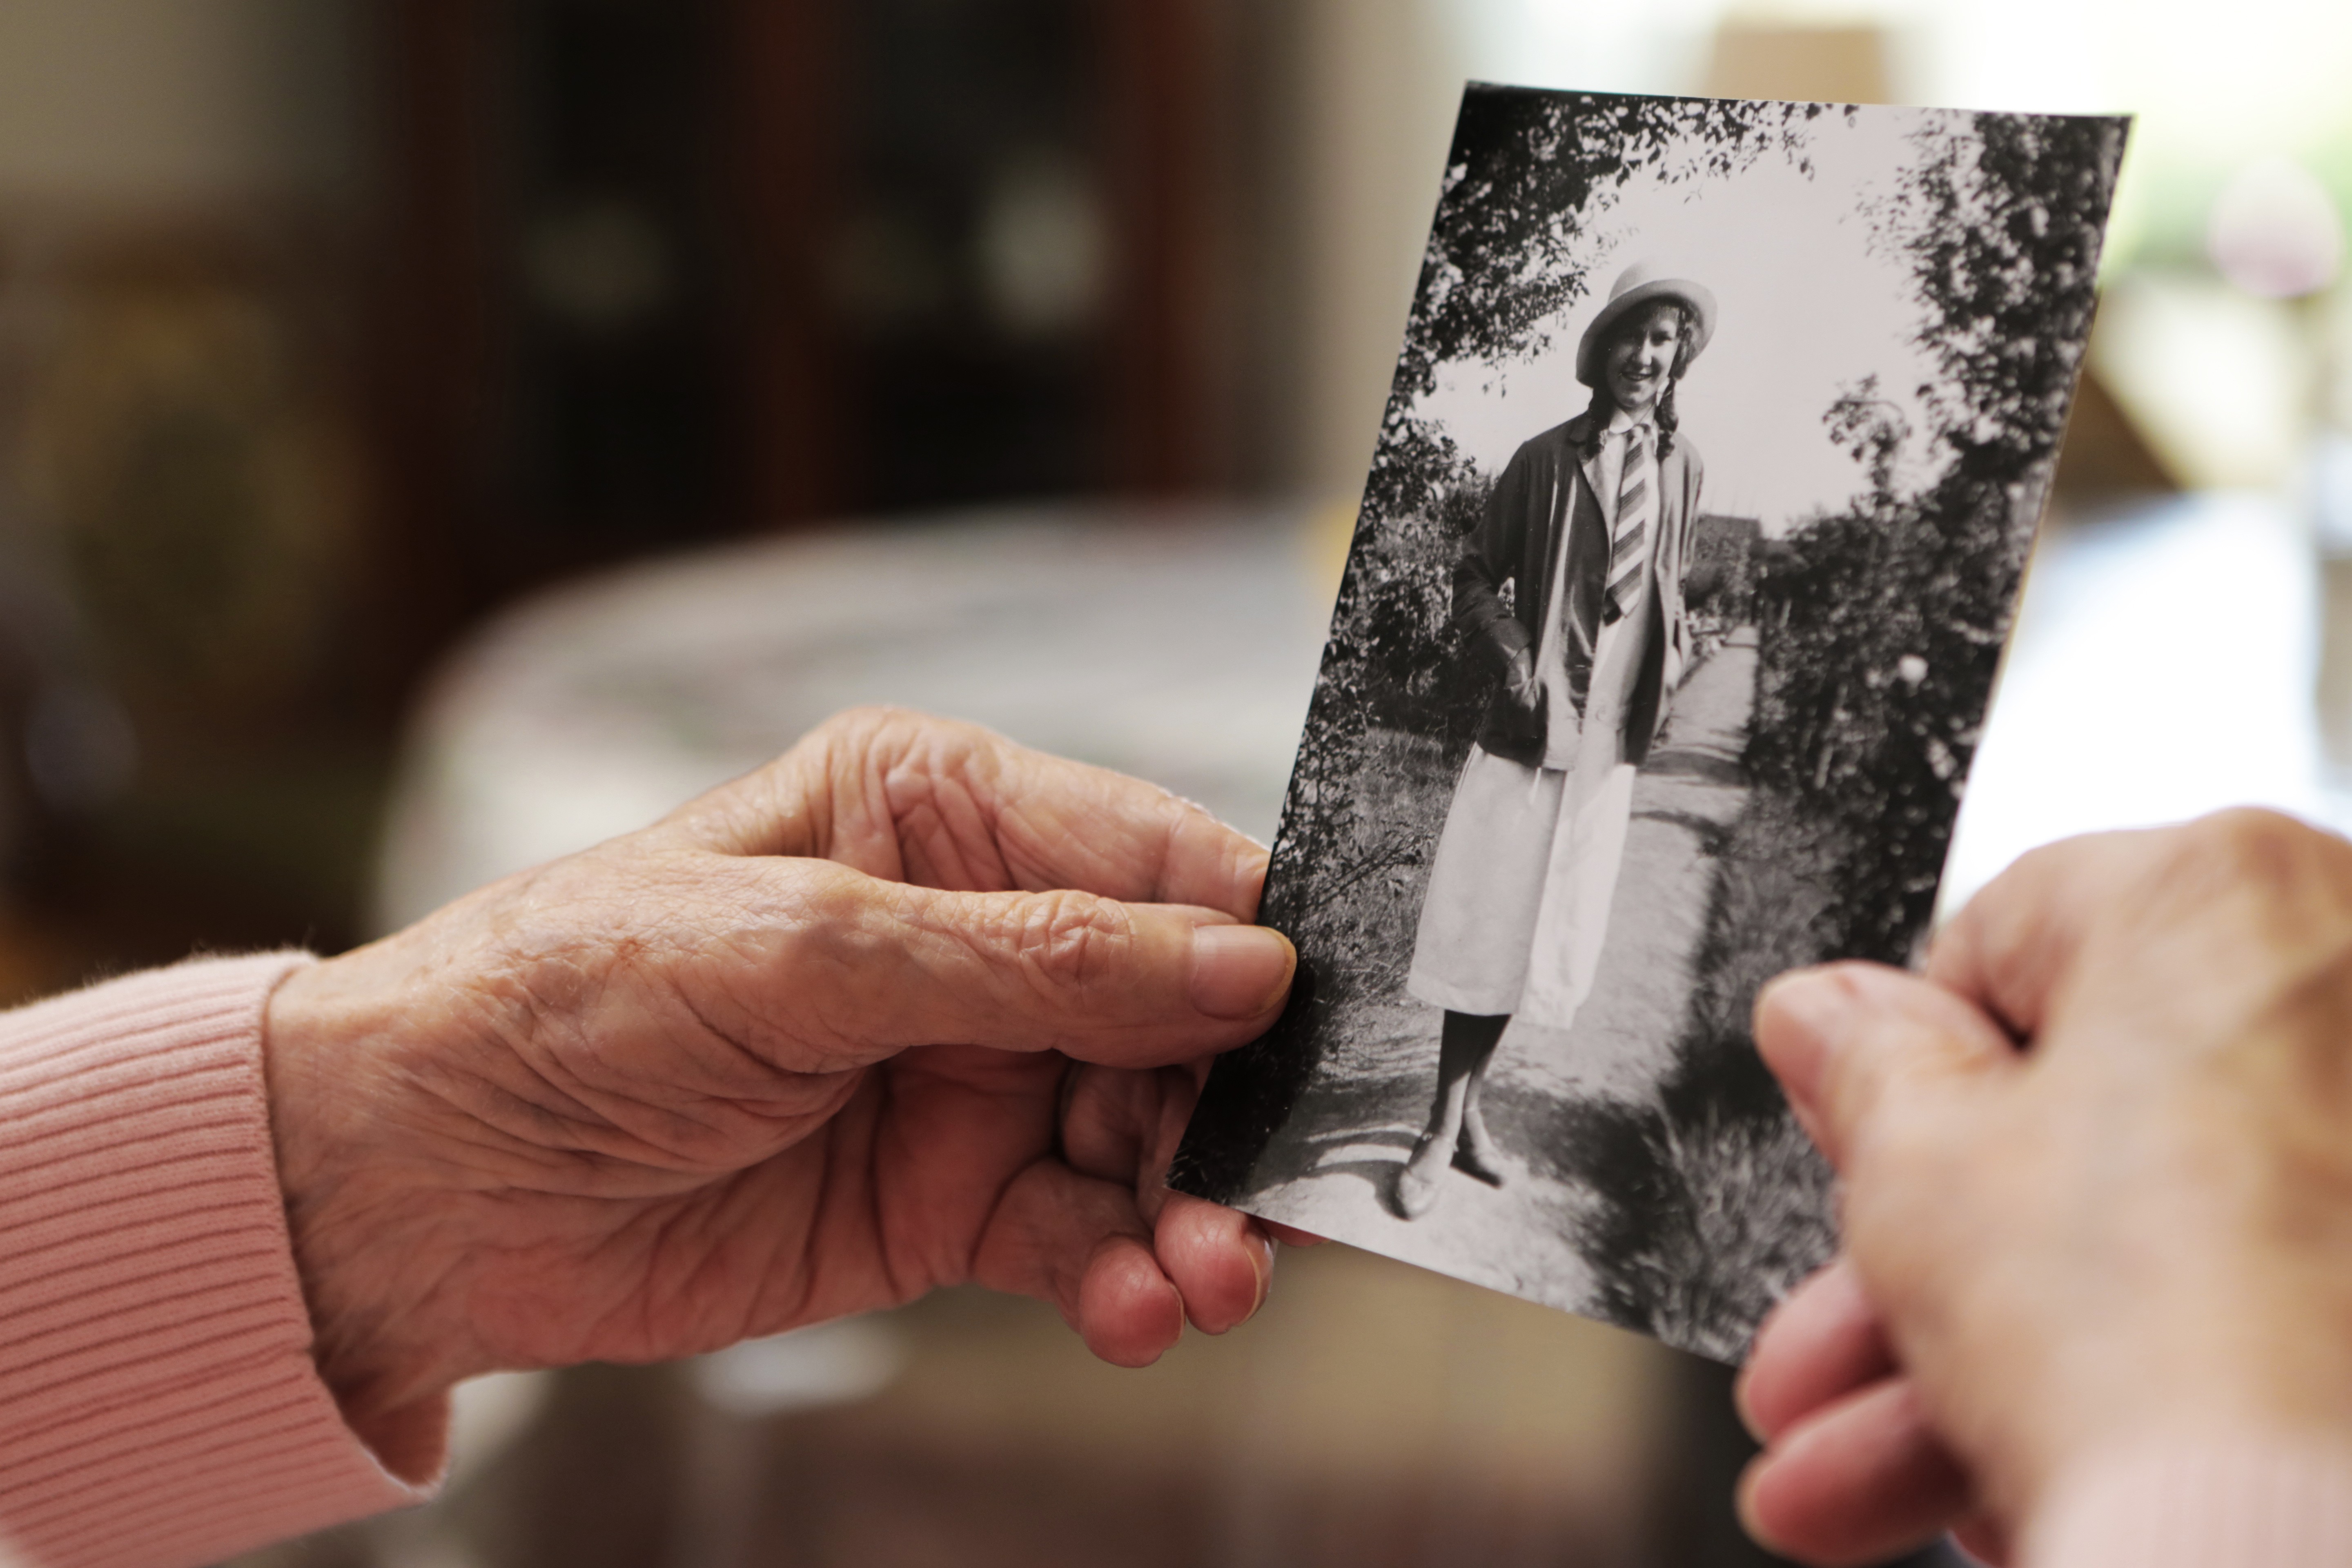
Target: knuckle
{"points": [[2244, 844], [885, 727], [869, 732], [2254, 871], [1071, 944], [1104, 1121], [2270, 899], [826, 918], [864, 720], [908, 751]]}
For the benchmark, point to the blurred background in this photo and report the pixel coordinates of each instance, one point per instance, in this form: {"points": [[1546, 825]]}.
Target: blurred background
{"points": [[437, 434]]}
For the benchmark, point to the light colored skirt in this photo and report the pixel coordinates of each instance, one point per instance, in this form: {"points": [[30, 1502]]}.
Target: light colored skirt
{"points": [[1521, 888]]}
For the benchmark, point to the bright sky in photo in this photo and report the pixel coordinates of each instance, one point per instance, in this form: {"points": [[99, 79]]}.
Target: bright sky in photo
{"points": [[1809, 305]]}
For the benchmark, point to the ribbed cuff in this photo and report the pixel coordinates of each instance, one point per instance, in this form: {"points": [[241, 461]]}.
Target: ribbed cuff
{"points": [[2261, 1501], [159, 1404]]}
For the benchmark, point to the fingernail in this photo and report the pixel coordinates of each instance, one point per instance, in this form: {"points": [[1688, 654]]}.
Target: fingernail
{"points": [[1261, 1260], [1239, 972]]}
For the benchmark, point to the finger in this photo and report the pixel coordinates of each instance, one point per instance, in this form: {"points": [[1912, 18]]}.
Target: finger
{"points": [[875, 967], [1222, 1261], [1847, 1039], [1817, 1346], [1129, 1312], [2007, 948], [1123, 1126], [1180, 1092], [1861, 1481], [2220, 907], [1176, 1111], [1109, 1116], [1078, 1242], [908, 797]]}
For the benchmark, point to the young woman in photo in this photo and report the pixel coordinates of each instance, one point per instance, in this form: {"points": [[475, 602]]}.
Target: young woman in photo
{"points": [[1588, 526]]}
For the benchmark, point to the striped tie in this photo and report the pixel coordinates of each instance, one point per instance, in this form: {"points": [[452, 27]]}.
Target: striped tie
{"points": [[1636, 499]]}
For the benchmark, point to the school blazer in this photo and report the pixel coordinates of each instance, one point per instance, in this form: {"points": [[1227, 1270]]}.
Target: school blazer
{"points": [[1547, 501]]}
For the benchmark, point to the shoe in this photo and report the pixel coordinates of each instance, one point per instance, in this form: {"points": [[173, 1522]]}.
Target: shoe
{"points": [[1475, 1154], [1417, 1185], [1481, 1161]]}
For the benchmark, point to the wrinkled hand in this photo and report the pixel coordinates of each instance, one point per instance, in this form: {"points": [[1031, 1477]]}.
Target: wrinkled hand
{"points": [[803, 1048], [2139, 1226]]}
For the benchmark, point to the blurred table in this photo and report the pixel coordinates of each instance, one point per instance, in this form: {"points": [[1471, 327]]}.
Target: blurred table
{"points": [[2164, 666], [1176, 644]]}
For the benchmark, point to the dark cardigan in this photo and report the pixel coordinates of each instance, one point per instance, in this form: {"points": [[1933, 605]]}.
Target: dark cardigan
{"points": [[1544, 498]]}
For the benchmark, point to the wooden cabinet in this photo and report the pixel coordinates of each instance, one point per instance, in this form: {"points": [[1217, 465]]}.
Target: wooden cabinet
{"points": [[655, 271]]}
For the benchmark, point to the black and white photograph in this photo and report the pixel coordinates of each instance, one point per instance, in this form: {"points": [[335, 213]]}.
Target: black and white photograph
{"points": [[1711, 466]]}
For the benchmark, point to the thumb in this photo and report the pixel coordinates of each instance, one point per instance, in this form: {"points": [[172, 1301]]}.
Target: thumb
{"points": [[1129, 984], [1848, 1041]]}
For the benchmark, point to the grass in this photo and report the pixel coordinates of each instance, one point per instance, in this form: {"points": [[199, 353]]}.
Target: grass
{"points": [[1365, 902], [1715, 1202], [1712, 1203], [1354, 920]]}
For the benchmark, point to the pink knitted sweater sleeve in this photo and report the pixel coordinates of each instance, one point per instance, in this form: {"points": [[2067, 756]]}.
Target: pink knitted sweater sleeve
{"points": [[158, 1402]]}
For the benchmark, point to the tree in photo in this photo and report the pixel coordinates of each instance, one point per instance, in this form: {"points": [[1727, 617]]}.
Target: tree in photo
{"points": [[1891, 614], [1511, 251]]}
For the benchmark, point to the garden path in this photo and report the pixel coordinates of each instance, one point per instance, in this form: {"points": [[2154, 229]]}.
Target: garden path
{"points": [[1331, 1170]]}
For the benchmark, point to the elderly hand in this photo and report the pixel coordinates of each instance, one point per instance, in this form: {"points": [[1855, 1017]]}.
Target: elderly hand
{"points": [[823, 1040], [2137, 1228]]}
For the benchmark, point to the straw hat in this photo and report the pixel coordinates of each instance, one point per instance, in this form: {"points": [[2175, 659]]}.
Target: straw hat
{"points": [[1641, 284]]}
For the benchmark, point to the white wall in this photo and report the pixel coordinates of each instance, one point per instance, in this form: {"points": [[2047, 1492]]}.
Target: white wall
{"points": [[1378, 78], [1379, 81]]}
